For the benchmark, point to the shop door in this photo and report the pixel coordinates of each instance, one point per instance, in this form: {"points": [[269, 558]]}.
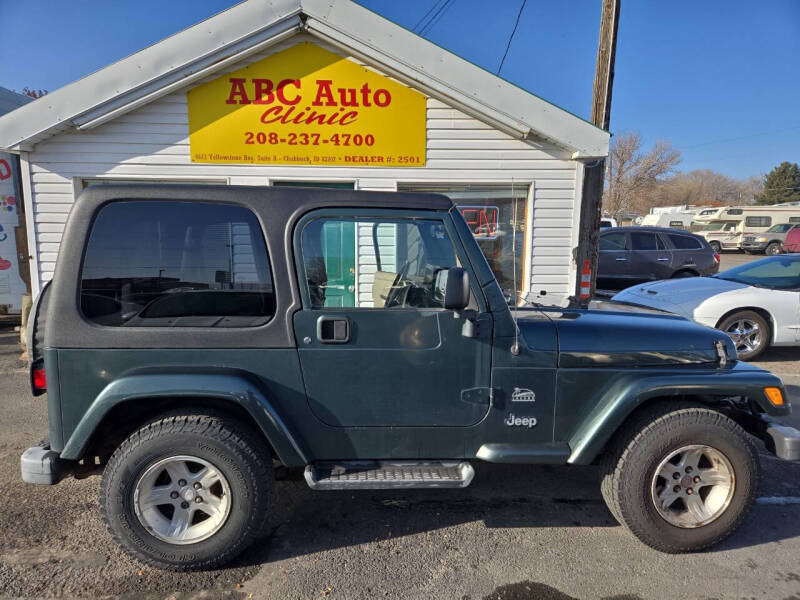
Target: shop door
{"points": [[397, 358]]}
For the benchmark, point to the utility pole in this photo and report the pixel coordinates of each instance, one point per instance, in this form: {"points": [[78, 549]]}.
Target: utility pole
{"points": [[594, 173]]}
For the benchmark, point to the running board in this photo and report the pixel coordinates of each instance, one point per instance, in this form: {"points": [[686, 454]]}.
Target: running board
{"points": [[382, 475]]}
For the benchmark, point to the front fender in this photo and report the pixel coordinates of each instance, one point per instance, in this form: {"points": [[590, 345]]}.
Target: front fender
{"points": [[231, 387], [621, 400]]}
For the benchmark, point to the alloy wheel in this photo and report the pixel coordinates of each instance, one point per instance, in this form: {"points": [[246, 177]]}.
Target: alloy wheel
{"points": [[746, 335], [182, 499], [693, 486]]}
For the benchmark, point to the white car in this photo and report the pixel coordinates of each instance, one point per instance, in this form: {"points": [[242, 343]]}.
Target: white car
{"points": [[757, 304]]}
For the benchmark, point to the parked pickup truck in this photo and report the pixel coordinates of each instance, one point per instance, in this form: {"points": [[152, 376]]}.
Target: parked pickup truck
{"points": [[194, 337]]}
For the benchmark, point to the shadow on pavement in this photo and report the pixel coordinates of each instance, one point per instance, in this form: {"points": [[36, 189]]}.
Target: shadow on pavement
{"points": [[780, 354], [501, 496]]}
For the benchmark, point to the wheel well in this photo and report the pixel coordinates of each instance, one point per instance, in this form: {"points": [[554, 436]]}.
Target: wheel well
{"points": [[658, 402], [755, 309], [126, 417], [692, 271]]}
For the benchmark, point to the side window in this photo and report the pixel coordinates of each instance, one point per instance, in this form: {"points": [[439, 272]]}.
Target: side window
{"points": [[684, 242], [376, 263], [176, 264], [758, 221], [613, 241], [644, 240]]}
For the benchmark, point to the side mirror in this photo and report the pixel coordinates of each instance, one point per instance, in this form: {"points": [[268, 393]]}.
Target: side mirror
{"points": [[452, 286]]}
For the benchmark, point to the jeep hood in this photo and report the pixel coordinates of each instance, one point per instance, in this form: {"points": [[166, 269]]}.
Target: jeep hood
{"points": [[623, 338]]}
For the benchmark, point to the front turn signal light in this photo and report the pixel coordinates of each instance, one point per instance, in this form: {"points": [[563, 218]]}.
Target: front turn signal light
{"points": [[774, 395]]}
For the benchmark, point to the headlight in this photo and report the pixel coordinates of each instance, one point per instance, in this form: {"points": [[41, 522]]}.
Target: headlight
{"points": [[761, 239]]}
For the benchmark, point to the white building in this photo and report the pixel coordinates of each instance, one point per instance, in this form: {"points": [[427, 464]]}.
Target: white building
{"points": [[266, 92]]}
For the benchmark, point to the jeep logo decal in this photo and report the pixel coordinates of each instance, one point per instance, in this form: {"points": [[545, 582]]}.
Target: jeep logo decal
{"points": [[513, 421], [523, 395]]}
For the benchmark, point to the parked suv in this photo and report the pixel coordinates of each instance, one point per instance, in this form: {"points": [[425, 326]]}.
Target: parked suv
{"points": [[633, 255], [770, 242], [193, 337]]}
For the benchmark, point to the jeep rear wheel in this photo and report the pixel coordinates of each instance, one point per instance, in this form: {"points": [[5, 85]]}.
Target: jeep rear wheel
{"points": [[683, 479], [187, 491]]}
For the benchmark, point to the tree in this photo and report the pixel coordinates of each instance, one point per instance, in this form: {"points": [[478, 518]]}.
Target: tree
{"points": [[782, 184], [26, 91], [632, 174], [704, 187]]}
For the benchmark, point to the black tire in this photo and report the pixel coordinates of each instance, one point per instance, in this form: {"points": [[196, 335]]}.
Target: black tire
{"points": [[728, 325], [231, 447], [629, 466], [716, 247], [772, 249]]}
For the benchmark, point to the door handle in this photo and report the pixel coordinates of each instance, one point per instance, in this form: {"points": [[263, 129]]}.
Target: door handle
{"points": [[621, 259], [663, 259], [333, 330]]}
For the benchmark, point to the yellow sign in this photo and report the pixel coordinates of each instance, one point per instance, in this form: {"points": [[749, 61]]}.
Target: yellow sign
{"points": [[307, 106]]}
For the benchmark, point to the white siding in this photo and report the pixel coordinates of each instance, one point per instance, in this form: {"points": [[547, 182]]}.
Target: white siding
{"points": [[153, 142]]}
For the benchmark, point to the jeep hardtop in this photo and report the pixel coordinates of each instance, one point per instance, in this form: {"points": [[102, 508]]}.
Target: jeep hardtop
{"points": [[193, 338]]}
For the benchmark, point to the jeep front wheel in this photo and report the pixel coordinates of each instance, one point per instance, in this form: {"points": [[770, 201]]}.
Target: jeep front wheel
{"points": [[187, 491], [683, 479]]}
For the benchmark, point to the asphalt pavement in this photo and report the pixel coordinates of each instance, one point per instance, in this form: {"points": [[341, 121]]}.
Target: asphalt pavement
{"points": [[518, 532]]}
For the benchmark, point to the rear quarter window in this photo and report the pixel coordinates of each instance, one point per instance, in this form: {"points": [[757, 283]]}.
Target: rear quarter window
{"points": [[685, 242], [176, 264]]}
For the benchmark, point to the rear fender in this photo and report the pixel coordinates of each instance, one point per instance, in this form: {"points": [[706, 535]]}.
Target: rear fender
{"points": [[230, 387], [621, 400]]}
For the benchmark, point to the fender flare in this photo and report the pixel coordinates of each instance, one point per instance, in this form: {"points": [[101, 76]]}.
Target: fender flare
{"points": [[231, 387], [620, 401]]}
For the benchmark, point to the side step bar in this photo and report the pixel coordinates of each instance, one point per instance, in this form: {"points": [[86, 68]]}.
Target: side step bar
{"points": [[382, 475]]}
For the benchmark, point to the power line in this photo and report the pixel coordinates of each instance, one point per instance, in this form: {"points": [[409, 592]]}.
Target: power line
{"points": [[425, 16], [437, 16], [511, 37], [743, 137]]}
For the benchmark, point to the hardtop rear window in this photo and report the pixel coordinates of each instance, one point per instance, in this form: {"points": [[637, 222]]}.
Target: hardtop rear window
{"points": [[176, 264]]}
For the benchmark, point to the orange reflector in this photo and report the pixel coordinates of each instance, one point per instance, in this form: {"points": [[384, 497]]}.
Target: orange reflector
{"points": [[774, 395]]}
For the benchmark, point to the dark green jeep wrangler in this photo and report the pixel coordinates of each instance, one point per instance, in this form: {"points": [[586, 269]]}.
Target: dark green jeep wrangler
{"points": [[193, 338]]}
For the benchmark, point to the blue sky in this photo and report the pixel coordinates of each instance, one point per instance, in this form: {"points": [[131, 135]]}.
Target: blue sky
{"points": [[718, 79]]}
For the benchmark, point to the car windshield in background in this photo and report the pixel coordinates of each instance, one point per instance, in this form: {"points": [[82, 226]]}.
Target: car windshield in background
{"points": [[717, 225], [782, 228], [775, 272]]}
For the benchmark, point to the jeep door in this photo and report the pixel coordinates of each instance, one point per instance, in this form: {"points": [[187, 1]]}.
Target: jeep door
{"points": [[396, 357]]}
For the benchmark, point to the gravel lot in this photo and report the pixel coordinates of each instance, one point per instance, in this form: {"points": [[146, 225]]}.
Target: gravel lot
{"points": [[519, 532]]}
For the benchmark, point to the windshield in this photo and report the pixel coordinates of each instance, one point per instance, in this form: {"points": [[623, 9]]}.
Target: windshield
{"points": [[782, 228], [717, 225], [776, 272]]}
